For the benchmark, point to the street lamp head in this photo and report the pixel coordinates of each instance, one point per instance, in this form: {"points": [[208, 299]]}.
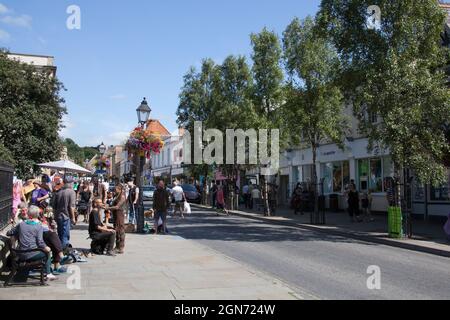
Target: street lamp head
{"points": [[102, 148], [143, 112]]}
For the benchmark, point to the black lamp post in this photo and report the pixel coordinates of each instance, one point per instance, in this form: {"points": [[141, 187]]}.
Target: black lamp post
{"points": [[143, 113]]}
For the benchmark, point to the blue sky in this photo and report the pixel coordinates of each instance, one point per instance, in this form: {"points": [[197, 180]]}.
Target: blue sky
{"points": [[126, 50]]}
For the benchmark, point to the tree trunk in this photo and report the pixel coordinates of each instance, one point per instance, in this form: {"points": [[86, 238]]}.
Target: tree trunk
{"points": [[205, 181], [316, 196]]}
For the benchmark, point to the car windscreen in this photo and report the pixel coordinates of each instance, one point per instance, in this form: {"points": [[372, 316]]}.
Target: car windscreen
{"points": [[149, 189]]}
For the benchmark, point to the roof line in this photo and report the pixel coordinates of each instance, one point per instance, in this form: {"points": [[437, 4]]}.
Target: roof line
{"points": [[30, 55]]}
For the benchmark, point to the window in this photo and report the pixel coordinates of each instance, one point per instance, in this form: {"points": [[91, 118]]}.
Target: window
{"points": [[336, 176], [363, 174], [327, 176], [373, 117], [375, 178], [443, 192], [372, 172]]}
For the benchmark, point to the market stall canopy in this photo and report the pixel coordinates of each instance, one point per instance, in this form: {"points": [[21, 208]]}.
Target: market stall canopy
{"points": [[64, 165]]}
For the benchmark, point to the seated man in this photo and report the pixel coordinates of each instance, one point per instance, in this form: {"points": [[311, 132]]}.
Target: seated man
{"points": [[29, 233], [102, 236]]}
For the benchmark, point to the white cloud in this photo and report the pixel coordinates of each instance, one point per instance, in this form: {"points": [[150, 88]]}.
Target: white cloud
{"points": [[3, 9], [119, 96], [22, 21], [4, 36]]}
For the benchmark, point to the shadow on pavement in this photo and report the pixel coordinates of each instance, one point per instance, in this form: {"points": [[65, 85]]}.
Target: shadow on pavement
{"points": [[205, 225]]}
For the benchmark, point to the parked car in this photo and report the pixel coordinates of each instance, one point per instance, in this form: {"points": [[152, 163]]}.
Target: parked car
{"points": [[192, 194], [148, 192]]}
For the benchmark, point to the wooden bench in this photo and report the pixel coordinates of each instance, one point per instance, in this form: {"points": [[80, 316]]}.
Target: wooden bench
{"points": [[17, 265]]}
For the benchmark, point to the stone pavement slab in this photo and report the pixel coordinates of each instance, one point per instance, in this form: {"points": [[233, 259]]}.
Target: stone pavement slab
{"points": [[160, 268]]}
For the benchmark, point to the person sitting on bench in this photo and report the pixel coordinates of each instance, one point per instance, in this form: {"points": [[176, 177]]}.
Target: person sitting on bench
{"points": [[30, 234], [103, 238]]}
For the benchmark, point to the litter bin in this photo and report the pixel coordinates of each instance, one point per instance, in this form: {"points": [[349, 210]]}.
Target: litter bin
{"points": [[334, 202]]}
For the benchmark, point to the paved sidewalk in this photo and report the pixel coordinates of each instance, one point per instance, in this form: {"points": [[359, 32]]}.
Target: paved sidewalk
{"points": [[429, 237], [160, 268]]}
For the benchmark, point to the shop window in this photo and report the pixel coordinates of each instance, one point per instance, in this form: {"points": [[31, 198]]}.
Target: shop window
{"points": [[375, 178], [337, 177], [441, 193], [327, 176], [363, 174], [346, 174]]}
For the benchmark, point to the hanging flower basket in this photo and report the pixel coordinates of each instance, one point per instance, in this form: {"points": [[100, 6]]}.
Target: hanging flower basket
{"points": [[144, 143], [102, 162]]}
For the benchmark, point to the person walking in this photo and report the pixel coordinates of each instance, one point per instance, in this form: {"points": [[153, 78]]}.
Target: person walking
{"points": [[118, 209], [296, 201], [214, 194], [256, 196], [220, 200], [246, 195], [353, 203], [64, 210], [179, 198], [161, 203]]}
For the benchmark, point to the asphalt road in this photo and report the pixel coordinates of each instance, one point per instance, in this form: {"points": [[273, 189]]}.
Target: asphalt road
{"points": [[321, 266]]}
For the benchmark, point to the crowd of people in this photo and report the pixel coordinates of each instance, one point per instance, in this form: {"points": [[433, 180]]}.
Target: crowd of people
{"points": [[45, 210]]}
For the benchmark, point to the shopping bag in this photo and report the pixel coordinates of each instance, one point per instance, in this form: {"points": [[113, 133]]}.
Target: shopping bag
{"points": [[187, 207], [160, 222]]}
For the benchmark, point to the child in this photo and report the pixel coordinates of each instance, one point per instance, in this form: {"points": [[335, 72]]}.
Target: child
{"points": [[366, 203], [109, 202]]}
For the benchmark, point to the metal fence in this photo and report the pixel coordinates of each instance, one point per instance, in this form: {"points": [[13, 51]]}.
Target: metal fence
{"points": [[6, 187]]}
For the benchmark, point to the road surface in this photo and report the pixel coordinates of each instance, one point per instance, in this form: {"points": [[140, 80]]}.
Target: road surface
{"points": [[320, 265]]}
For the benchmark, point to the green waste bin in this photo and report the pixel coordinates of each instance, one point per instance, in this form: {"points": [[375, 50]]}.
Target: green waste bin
{"points": [[395, 222]]}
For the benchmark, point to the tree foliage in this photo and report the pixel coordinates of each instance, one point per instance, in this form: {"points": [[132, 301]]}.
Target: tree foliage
{"points": [[314, 107], [397, 73], [31, 112]]}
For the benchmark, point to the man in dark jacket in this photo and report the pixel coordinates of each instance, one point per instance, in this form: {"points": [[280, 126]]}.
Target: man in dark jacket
{"points": [[161, 203]]}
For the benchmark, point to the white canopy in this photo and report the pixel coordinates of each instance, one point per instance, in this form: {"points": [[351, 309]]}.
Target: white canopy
{"points": [[65, 165]]}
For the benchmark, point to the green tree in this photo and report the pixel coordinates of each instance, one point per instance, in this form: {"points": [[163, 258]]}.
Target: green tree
{"points": [[196, 103], [396, 72], [314, 107], [31, 112], [268, 86]]}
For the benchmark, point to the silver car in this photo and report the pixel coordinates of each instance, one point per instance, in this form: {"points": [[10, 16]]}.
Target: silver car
{"points": [[148, 192]]}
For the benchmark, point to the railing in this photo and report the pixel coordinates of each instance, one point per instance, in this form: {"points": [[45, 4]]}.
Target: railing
{"points": [[6, 187]]}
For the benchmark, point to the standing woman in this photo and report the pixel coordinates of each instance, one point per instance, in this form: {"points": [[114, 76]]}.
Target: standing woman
{"points": [[18, 198], [297, 199], [85, 201], [118, 208]]}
